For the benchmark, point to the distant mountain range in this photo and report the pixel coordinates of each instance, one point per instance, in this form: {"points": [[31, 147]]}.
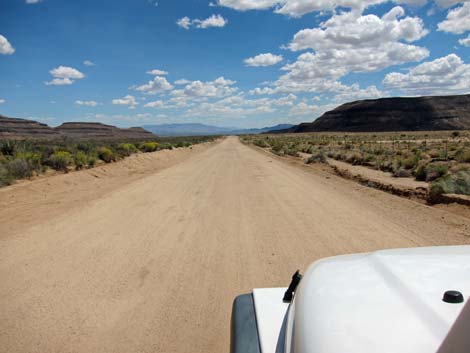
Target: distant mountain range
{"points": [[13, 128], [385, 114], [201, 129], [394, 114]]}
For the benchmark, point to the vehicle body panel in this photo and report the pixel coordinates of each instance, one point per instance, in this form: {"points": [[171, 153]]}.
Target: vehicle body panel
{"points": [[386, 301]]}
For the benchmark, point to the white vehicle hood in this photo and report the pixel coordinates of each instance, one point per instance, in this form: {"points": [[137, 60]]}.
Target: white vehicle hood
{"points": [[386, 301]]}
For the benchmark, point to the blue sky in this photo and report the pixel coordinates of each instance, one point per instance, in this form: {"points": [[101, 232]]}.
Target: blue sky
{"points": [[241, 63]]}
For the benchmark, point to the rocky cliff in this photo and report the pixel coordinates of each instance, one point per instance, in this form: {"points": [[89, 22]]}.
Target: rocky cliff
{"points": [[395, 114], [13, 128]]}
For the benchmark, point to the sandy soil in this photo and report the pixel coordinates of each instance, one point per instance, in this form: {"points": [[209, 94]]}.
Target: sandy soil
{"points": [[28, 203], [153, 264]]}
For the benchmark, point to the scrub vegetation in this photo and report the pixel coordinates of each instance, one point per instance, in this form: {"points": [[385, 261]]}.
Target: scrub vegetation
{"points": [[441, 158], [20, 159]]}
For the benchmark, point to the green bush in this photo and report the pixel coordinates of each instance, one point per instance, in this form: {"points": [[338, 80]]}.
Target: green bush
{"points": [[316, 157], [354, 158], [420, 171], [435, 171], [261, 143], [430, 171], [148, 146], [126, 149], [463, 155], [8, 148], [105, 154], [81, 160], [60, 160], [276, 146], [183, 144], [402, 173], [86, 147], [91, 161], [458, 183], [291, 151], [33, 159], [166, 146], [19, 169], [410, 162], [5, 177]]}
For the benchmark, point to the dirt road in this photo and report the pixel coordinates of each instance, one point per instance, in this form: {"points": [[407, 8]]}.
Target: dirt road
{"points": [[154, 265]]}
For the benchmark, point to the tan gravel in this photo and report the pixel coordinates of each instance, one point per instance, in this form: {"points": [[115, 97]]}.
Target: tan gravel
{"points": [[153, 264]]}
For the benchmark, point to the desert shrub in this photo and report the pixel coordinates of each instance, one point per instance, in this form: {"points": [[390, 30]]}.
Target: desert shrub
{"points": [[126, 149], [8, 148], [166, 146], [410, 162], [291, 151], [368, 158], [60, 160], [317, 157], [86, 147], [420, 171], [19, 169], [308, 149], [458, 183], [105, 154], [354, 158], [33, 159], [402, 173], [5, 177], [261, 143], [385, 165], [148, 147], [182, 144], [91, 161], [462, 155], [435, 171], [455, 134], [276, 146], [81, 160]]}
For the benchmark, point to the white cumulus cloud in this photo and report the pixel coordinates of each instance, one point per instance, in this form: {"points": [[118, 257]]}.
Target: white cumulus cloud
{"points": [[244, 5], [126, 100], [2, 101], [445, 75], [465, 41], [220, 87], [457, 21], [88, 63], [449, 3], [265, 59], [184, 22], [298, 8], [64, 75], [349, 43], [182, 81], [87, 103], [156, 72], [5, 47], [159, 84], [212, 21], [155, 104]]}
